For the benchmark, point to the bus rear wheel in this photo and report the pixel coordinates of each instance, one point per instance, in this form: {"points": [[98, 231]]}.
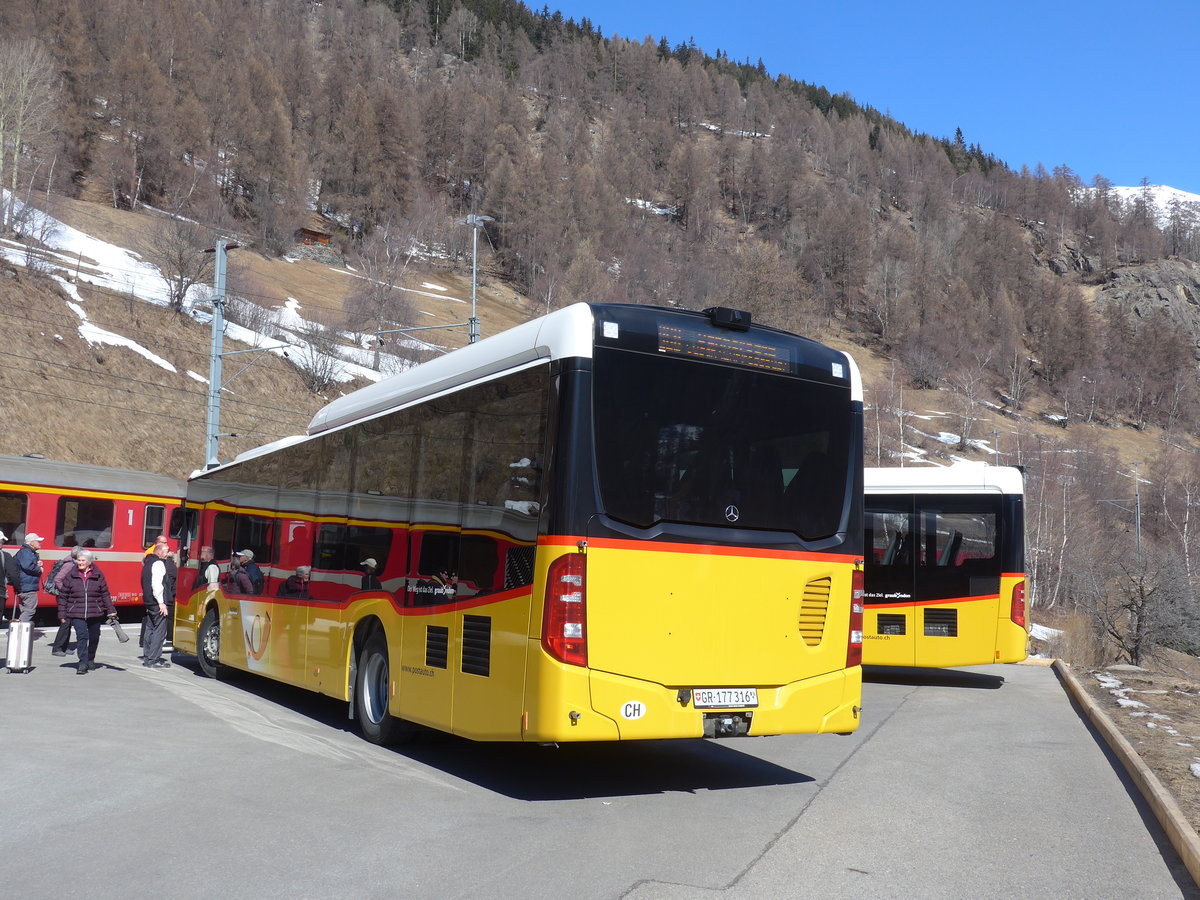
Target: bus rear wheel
{"points": [[372, 692], [208, 645]]}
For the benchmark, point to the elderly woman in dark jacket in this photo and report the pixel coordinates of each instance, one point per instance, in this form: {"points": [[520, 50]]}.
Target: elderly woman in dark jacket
{"points": [[84, 601]]}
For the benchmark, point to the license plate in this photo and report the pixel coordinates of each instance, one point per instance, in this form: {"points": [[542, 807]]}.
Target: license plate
{"points": [[724, 698]]}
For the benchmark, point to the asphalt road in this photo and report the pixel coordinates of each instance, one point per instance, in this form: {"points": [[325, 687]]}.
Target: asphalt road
{"points": [[129, 782]]}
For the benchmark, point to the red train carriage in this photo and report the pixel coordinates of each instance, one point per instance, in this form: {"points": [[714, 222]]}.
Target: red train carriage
{"points": [[114, 512]]}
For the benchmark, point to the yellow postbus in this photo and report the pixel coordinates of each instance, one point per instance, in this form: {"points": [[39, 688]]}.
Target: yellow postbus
{"points": [[614, 522], [945, 560]]}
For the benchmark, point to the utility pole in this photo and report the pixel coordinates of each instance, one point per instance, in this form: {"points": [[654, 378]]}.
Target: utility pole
{"points": [[1137, 500], [476, 222], [213, 420]]}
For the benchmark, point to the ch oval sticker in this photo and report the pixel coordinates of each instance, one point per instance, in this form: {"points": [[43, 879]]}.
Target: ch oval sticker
{"points": [[634, 709]]}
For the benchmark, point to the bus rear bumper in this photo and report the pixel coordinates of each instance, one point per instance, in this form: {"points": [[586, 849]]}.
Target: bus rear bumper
{"points": [[622, 708]]}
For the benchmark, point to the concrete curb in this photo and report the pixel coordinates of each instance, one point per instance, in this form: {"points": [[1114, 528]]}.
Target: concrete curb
{"points": [[1180, 833]]}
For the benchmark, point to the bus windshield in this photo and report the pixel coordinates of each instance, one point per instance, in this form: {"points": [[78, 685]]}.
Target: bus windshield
{"points": [[715, 445]]}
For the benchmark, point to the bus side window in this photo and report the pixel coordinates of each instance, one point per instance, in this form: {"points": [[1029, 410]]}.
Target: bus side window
{"points": [[949, 554], [892, 554]]}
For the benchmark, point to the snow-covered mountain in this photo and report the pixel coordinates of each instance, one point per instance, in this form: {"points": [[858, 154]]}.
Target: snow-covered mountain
{"points": [[1162, 196]]}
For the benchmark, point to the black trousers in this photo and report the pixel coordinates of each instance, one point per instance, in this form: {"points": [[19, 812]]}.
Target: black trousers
{"points": [[156, 631], [87, 636], [63, 638]]}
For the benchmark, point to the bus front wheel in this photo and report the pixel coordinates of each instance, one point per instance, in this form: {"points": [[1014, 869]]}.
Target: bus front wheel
{"points": [[373, 691], [208, 645]]}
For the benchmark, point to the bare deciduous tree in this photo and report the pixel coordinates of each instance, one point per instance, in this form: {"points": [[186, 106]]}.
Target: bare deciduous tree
{"points": [[27, 104], [317, 357], [1142, 601], [379, 303], [176, 245]]}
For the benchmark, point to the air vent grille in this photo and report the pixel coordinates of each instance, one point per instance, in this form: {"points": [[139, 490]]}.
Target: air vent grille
{"points": [[941, 623], [814, 606], [477, 645], [437, 642], [891, 623]]}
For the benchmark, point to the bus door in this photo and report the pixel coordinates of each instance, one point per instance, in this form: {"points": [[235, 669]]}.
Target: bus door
{"points": [[334, 574], [958, 580], [892, 548], [431, 641]]}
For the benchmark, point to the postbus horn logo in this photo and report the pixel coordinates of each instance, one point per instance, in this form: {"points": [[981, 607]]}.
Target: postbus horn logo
{"points": [[731, 513]]}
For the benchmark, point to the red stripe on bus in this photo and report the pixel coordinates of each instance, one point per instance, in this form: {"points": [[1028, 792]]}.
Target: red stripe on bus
{"points": [[950, 602], [705, 549]]}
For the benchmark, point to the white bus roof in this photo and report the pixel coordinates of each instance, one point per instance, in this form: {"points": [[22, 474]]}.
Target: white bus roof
{"points": [[958, 479], [563, 333]]}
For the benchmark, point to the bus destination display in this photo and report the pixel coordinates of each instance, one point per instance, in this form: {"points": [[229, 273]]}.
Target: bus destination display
{"points": [[678, 339]]}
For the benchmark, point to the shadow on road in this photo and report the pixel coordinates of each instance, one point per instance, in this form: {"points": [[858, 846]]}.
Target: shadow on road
{"points": [[539, 772], [955, 678], [580, 771]]}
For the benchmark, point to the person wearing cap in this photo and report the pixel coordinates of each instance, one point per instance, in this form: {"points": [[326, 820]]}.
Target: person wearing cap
{"points": [[370, 581], [252, 571], [29, 564]]}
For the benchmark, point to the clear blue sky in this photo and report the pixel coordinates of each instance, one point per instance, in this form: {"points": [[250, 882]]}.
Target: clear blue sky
{"points": [[1103, 87]]}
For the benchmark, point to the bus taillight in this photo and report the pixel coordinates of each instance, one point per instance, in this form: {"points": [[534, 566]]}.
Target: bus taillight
{"points": [[1018, 604], [564, 620], [854, 645]]}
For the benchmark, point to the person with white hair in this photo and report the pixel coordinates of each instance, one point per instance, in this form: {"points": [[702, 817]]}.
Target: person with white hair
{"points": [[30, 565], [296, 586], [85, 602], [57, 572]]}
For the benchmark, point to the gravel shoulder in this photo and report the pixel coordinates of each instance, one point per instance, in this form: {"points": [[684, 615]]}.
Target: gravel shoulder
{"points": [[1156, 707]]}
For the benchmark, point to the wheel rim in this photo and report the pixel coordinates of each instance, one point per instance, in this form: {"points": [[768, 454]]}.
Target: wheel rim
{"points": [[375, 688], [210, 646]]}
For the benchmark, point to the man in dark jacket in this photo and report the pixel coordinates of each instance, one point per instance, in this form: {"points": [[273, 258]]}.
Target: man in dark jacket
{"points": [[85, 602], [30, 566], [158, 580]]}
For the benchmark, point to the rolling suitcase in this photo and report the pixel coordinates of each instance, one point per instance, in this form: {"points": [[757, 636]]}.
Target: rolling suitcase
{"points": [[19, 655]]}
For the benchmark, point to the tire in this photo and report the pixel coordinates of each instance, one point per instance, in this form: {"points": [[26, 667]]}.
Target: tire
{"points": [[372, 692], [208, 645]]}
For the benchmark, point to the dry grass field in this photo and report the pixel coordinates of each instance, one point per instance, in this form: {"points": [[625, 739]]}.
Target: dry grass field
{"points": [[97, 403]]}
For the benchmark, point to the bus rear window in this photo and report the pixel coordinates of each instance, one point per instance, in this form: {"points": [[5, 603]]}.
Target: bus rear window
{"points": [[705, 444]]}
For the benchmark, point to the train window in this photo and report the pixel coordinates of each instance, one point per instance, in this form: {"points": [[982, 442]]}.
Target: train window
{"points": [[153, 522], [256, 533], [12, 515], [222, 536], [84, 522], [342, 548]]}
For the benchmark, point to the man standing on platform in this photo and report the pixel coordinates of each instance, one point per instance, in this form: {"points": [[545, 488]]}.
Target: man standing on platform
{"points": [[156, 582]]}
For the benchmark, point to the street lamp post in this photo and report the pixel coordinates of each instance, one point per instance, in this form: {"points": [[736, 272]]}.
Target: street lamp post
{"points": [[476, 222]]}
